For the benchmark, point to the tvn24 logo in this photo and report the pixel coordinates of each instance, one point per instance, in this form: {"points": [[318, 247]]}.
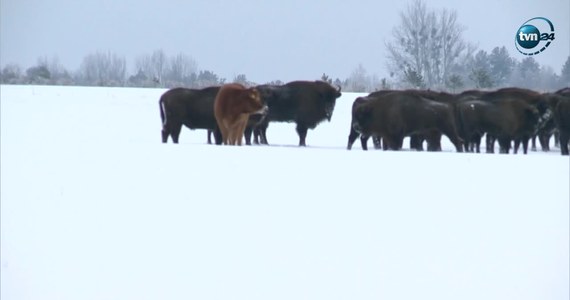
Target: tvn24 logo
{"points": [[534, 36]]}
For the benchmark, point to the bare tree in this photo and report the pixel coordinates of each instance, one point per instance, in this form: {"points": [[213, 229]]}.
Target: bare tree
{"points": [[385, 84], [358, 80], [180, 70], [326, 78], [208, 78], [159, 62], [426, 43], [103, 69], [241, 79], [153, 66], [275, 82]]}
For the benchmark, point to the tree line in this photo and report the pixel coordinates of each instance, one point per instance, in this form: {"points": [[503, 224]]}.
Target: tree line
{"points": [[109, 69], [426, 51]]}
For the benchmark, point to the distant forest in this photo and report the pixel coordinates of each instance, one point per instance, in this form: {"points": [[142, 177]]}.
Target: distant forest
{"points": [[427, 50]]}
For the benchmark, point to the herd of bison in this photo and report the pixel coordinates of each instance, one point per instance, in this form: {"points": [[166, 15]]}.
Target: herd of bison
{"points": [[509, 116]]}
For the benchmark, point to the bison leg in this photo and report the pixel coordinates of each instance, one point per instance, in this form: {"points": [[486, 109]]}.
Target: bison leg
{"points": [[209, 134], [525, 144], [257, 136], [490, 143], [544, 139], [260, 130], [517, 145], [352, 136], [416, 142], [263, 136], [171, 129], [505, 145], [165, 133], [175, 132], [364, 142], [377, 141], [564, 138], [302, 131], [434, 141], [388, 144], [393, 142], [533, 143], [218, 136], [399, 142], [247, 135], [557, 138], [466, 145], [477, 142]]}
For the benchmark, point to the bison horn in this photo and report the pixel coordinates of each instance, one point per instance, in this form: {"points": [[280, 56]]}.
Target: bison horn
{"points": [[339, 88]]}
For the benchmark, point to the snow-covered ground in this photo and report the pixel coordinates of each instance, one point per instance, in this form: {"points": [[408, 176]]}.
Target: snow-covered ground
{"points": [[93, 206]]}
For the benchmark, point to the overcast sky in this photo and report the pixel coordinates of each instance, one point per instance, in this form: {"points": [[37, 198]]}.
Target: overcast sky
{"points": [[266, 40]]}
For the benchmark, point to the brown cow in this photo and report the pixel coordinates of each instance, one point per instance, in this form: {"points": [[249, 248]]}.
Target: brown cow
{"points": [[232, 108]]}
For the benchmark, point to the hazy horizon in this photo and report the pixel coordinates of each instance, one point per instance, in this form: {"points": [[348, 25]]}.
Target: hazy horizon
{"points": [[265, 41]]}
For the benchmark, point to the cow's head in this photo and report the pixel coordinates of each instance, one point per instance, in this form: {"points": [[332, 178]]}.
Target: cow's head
{"points": [[253, 103], [259, 115]]}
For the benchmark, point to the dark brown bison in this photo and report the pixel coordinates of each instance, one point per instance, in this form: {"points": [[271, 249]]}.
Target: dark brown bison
{"points": [[233, 105], [306, 103], [398, 114], [433, 137], [507, 115], [536, 109], [353, 135], [560, 104], [193, 108]]}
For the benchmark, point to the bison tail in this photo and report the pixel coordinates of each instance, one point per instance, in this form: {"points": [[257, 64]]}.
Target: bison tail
{"points": [[162, 112]]}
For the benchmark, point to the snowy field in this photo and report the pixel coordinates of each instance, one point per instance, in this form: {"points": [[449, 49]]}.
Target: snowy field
{"points": [[93, 206]]}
